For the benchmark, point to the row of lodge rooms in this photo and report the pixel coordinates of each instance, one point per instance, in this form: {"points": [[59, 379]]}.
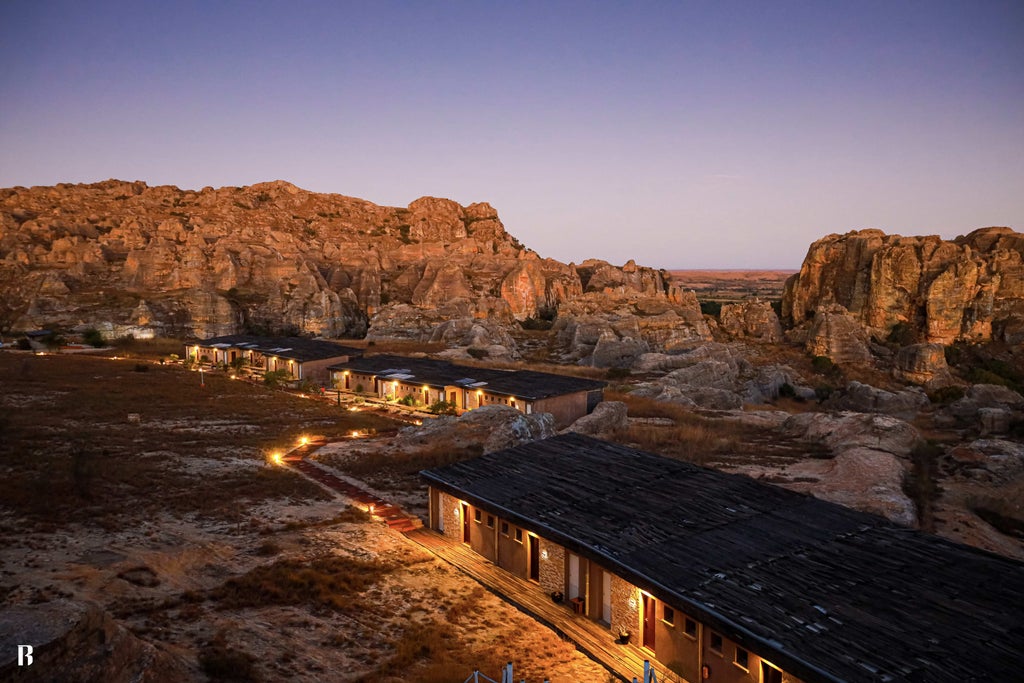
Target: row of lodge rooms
{"points": [[427, 381], [720, 578], [299, 357]]}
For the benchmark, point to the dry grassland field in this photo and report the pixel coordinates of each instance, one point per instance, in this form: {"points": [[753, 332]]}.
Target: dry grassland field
{"points": [[206, 562]]}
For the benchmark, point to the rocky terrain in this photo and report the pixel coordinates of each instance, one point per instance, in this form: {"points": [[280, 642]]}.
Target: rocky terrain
{"points": [[132, 259], [968, 289]]}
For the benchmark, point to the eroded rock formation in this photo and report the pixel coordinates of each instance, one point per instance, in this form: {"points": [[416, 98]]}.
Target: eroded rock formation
{"points": [[129, 258], [970, 288]]}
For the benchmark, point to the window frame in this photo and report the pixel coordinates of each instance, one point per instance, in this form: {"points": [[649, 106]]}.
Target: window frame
{"points": [[720, 650], [746, 658]]}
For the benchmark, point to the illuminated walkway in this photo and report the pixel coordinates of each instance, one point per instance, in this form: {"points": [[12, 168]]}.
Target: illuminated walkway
{"points": [[594, 640]]}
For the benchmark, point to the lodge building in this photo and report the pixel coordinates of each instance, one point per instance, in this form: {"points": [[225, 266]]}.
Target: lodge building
{"points": [[299, 357], [721, 578], [427, 381]]}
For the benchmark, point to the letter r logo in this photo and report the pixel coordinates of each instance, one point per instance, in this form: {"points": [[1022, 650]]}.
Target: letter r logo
{"points": [[24, 655]]}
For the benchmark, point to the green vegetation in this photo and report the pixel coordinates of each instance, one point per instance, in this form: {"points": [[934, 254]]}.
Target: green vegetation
{"points": [[94, 337], [712, 308], [442, 408], [276, 378]]}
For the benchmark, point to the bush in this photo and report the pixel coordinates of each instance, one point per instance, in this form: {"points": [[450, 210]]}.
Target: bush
{"points": [[712, 308], [442, 408], [823, 392], [276, 378], [359, 388], [141, 367], [478, 353], [823, 365], [787, 391], [946, 395], [618, 373], [94, 337]]}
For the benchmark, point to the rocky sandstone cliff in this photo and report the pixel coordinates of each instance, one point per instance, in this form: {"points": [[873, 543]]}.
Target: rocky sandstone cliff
{"points": [[130, 258], [970, 288]]}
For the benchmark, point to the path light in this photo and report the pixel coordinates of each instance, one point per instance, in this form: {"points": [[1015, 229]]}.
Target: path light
{"points": [[276, 457], [303, 440], [370, 509]]}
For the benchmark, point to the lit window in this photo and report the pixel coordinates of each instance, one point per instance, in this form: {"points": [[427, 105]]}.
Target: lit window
{"points": [[668, 615], [476, 515], [519, 535], [690, 627], [742, 658], [716, 642], [504, 528], [490, 521]]}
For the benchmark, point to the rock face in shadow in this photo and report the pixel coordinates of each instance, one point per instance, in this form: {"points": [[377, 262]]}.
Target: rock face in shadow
{"points": [[969, 289], [77, 642], [128, 258]]}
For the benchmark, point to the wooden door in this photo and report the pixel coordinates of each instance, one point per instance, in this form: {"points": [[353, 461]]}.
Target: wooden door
{"points": [[465, 523], [534, 558], [648, 621]]}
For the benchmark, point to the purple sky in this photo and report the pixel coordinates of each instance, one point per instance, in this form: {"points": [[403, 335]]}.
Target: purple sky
{"points": [[680, 134]]}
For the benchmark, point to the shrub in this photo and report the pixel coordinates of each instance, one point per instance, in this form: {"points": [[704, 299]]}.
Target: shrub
{"points": [[94, 337], [823, 392], [275, 378], [787, 391], [618, 373], [946, 395], [823, 365], [478, 353], [141, 367], [359, 388], [442, 408], [712, 308]]}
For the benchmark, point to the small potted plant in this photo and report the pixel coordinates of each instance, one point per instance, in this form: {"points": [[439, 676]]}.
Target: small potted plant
{"points": [[557, 597], [624, 636]]}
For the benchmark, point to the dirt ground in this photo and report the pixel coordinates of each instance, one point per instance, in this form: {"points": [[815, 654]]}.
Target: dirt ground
{"points": [[149, 495]]}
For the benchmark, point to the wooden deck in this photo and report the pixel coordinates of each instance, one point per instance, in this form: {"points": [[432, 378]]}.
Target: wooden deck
{"points": [[597, 642]]}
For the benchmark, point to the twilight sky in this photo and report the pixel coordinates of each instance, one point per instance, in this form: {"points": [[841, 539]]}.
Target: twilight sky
{"points": [[680, 134]]}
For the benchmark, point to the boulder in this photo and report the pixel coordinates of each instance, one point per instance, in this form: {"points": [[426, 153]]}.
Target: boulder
{"points": [[837, 335], [608, 417], [923, 364], [842, 431], [490, 428], [754, 319], [864, 398], [78, 642], [989, 460]]}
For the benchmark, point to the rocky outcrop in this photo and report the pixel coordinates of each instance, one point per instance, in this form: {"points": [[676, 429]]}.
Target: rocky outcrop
{"points": [[608, 417], [836, 335], [923, 364], [614, 327], [129, 258], [78, 642], [864, 398], [991, 408], [755, 320], [490, 428], [868, 463], [970, 288]]}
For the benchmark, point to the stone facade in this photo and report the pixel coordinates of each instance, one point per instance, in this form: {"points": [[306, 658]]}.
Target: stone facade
{"points": [[452, 518], [552, 569], [625, 608]]}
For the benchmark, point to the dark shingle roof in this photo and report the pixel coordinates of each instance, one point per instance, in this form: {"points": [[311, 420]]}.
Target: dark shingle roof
{"points": [[525, 384], [297, 348], [824, 591]]}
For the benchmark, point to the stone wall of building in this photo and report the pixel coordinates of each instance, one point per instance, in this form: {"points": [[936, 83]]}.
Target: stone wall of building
{"points": [[452, 520], [625, 608], [552, 569]]}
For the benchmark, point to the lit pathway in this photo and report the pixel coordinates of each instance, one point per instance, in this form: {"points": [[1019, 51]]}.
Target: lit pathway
{"points": [[378, 507], [596, 641]]}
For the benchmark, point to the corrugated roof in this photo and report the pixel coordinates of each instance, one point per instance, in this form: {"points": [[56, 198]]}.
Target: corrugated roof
{"points": [[827, 592], [296, 348], [524, 384]]}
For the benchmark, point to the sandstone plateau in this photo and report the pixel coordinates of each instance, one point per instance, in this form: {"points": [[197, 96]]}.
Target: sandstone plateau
{"points": [[132, 259], [967, 289]]}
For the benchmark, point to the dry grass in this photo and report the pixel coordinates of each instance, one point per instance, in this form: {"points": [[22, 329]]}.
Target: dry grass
{"points": [[327, 583], [396, 346], [691, 436], [68, 451]]}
